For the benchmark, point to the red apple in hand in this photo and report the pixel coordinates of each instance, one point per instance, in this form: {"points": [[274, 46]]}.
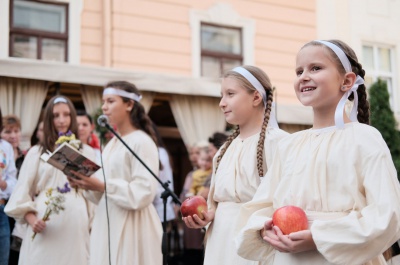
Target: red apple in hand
{"points": [[290, 219], [194, 205]]}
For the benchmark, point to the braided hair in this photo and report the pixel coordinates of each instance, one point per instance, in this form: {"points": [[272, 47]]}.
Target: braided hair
{"points": [[363, 104], [262, 77]]}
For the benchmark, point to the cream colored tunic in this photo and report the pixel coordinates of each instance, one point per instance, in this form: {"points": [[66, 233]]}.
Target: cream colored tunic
{"points": [[65, 240], [346, 182], [235, 183], [135, 227]]}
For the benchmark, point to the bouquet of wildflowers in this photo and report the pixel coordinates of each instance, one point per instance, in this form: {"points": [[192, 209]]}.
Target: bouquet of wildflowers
{"points": [[68, 137], [55, 202]]}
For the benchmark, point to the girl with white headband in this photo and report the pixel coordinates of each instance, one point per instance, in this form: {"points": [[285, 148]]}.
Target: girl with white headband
{"points": [[238, 167], [135, 228], [340, 173], [64, 239]]}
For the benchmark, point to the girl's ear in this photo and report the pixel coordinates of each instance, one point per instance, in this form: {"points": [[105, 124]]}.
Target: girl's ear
{"points": [[129, 105], [257, 98], [348, 82]]}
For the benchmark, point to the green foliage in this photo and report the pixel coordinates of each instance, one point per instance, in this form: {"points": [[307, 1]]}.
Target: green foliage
{"points": [[101, 131], [382, 118]]}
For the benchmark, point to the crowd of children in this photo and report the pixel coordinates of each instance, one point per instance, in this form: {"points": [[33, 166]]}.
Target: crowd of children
{"points": [[340, 172]]}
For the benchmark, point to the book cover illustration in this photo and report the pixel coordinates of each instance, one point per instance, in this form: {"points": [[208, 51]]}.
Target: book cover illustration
{"points": [[67, 158]]}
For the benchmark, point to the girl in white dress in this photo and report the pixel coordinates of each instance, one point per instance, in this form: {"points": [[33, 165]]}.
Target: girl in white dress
{"points": [[340, 173], [64, 239], [129, 190], [246, 100]]}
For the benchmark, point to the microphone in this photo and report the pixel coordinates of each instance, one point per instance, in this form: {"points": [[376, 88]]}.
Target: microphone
{"points": [[102, 120]]}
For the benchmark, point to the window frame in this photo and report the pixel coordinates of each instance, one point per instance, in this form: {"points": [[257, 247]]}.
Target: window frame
{"points": [[74, 26], [220, 56], [221, 14], [39, 34], [376, 72]]}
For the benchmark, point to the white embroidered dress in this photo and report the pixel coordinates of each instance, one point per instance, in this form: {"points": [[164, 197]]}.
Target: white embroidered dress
{"points": [[135, 227], [346, 182], [235, 183]]}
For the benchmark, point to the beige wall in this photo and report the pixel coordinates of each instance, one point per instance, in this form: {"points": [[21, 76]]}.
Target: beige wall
{"points": [[155, 36]]}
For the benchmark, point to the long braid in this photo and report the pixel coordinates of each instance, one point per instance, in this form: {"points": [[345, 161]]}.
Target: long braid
{"points": [[226, 145], [262, 77], [363, 104], [260, 145]]}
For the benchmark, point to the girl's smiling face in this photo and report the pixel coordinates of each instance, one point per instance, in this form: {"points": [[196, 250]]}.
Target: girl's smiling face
{"points": [[318, 82]]}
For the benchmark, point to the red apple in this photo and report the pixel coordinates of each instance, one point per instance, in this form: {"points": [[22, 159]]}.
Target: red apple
{"points": [[290, 219], [194, 205]]}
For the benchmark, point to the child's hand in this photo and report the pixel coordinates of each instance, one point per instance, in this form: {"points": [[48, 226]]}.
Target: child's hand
{"points": [[195, 222], [86, 183], [38, 225], [293, 243]]}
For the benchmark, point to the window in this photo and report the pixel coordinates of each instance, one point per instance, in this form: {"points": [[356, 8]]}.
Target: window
{"points": [[221, 39], [221, 49], [378, 63], [39, 30]]}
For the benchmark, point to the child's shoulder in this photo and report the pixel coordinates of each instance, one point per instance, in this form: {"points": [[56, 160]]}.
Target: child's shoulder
{"points": [[276, 134], [369, 136]]}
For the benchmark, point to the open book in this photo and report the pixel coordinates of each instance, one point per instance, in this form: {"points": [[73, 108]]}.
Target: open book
{"points": [[67, 158]]}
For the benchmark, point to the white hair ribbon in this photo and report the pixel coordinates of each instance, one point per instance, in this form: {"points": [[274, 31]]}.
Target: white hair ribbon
{"points": [[272, 123], [253, 81], [122, 93], [59, 100], [339, 122]]}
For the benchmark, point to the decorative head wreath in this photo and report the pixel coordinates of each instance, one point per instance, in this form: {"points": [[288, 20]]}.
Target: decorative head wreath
{"points": [[122, 93], [259, 87], [59, 100], [339, 122]]}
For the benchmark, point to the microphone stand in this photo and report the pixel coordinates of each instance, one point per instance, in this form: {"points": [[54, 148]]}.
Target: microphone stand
{"points": [[166, 193]]}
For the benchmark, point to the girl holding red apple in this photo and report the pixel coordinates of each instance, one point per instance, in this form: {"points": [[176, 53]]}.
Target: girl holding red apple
{"points": [[246, 100], [340, 172]]}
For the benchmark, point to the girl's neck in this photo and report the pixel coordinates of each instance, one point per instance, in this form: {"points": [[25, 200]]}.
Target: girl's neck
{"points": [[323, 119], [250, 128], [125, 128]]}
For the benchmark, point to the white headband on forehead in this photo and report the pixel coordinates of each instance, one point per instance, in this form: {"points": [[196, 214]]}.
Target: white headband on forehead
{"points": [[257, 85], [59, 100], [253, 81], [339, 122], [122, 93]]}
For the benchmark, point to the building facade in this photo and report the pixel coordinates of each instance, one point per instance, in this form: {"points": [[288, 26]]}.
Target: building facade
{"points": [[174, 51]]}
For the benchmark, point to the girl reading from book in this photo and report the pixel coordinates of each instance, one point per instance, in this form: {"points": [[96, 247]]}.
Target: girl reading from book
{"points": [[125, 199], [64, 239]]}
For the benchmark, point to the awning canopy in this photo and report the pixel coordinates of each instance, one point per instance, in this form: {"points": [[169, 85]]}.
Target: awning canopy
{"points": [[155, 82]]}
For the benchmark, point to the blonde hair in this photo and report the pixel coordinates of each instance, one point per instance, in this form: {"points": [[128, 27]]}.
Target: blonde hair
{"points": [[263, 78]]}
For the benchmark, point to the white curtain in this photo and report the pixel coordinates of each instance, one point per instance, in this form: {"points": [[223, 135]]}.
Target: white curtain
{"points": [[23, 98], [147, 100], [197, 117], [92, 99]]}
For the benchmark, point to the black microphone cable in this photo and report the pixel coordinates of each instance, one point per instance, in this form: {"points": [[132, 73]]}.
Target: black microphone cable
{"points": [[106, 200]]}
